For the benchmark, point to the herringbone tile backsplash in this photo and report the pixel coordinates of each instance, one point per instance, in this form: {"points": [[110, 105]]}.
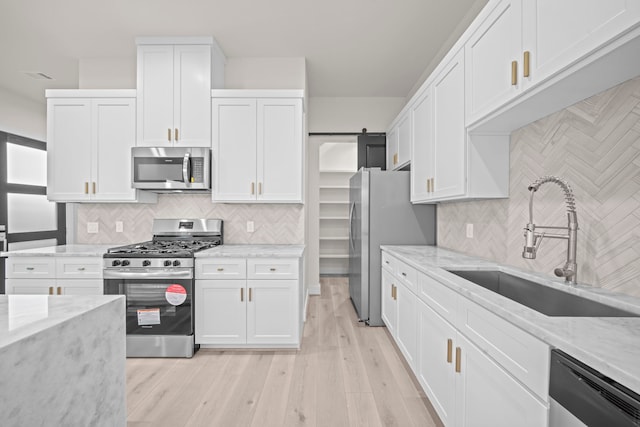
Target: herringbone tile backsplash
{"points": [[595, 146], [274, 223]]}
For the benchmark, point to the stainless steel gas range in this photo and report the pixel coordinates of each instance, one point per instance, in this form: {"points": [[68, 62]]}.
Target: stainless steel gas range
{"points": [[157, 278]]}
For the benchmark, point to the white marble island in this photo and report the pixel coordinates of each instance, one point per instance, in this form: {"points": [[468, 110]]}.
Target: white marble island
{"points": [[62, 360]]}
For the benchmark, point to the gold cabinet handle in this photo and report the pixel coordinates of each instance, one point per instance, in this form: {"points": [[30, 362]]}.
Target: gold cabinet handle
{"points": [[514, 73], [249, 294], [176, 134], [242, 294], [395, 158], [272, 269], [59, 290], [433, 185], [392, 291], [458, 359], [30, 268], [259, 188], [449, 350], [86, 188], [50, 290], [220, 269], [81, 268], [169, 134], [527, 55], [253, 188], [94, 187]]}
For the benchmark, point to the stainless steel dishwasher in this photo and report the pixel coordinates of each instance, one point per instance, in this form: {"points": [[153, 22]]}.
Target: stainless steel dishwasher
{"points": [[582, 396]]}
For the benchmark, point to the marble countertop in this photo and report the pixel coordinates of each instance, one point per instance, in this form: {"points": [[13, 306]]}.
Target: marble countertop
{"points": [[22, 316], [62, 250], [253, 251], [610, 345]]}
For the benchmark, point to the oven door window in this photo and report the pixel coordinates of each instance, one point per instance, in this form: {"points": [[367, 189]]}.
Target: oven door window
{"points": [[156, 306]]}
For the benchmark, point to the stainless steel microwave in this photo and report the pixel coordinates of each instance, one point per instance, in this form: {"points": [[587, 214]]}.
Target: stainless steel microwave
{"points": [[173, 169]]}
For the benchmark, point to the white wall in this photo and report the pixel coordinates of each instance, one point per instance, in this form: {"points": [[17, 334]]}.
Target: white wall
{"points": [[22, 116], [265, 73], [112, 73], [352, 114]]}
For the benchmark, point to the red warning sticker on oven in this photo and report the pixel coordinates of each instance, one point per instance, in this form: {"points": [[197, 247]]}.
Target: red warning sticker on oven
{"points": [[175, 294]]}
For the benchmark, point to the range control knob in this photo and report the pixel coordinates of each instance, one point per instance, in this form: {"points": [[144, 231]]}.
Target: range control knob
{"points": [[176, 263], [115, 263], [167, 263], [125, 262], [146, 263]]}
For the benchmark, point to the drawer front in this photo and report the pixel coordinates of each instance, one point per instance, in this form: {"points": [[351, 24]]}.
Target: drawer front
{"points": [[79, 268], [389, 262], [272, 268], [221, 268], [408, 275], [437, 296], [522, 355], [30, 267]]}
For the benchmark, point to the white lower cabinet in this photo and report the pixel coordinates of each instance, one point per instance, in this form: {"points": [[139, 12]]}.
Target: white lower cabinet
{"points": [[54, 276], [476, 368], [236, 309]]}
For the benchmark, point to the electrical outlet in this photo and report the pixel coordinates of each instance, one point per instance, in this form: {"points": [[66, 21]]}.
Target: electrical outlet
{"points": [[119, 226], [250, 227], [92, 227], [470, 231]]}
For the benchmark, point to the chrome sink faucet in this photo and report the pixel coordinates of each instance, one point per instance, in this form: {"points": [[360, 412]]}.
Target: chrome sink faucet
{"points": [[534, 238]]}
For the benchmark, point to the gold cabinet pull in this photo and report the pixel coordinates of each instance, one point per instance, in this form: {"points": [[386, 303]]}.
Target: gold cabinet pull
{"points": [[249, 294], [449, 350], [176, 134], [59, 290], [220, 269], [259, 188], [86, 188], [94, 187], [527, 55], [169, 134], [81, 268], [30, 268], [433, 185], [50, 290], [514, 73], [242, 294], [272, 269], [253, 188], [458, 359], [395, 158]]}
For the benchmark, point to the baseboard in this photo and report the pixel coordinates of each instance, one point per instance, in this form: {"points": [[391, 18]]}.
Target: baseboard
{"points": [[314, 290]]}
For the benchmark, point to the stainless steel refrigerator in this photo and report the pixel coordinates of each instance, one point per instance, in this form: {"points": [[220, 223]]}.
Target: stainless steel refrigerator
{"points": [[380, 213]]}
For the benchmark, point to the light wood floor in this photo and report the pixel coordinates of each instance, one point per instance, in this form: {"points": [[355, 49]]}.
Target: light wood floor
{"points": [[345, 374]]}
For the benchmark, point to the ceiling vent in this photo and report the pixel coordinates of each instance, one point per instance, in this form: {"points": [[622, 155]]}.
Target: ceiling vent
{"points": [[38, 76]]}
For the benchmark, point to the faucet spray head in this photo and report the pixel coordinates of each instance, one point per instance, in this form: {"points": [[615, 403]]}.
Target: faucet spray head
{"points": [[531, 242]]}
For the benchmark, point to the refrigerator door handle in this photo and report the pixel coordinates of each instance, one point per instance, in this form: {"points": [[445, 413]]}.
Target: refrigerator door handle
{"points": [[351, 210]]}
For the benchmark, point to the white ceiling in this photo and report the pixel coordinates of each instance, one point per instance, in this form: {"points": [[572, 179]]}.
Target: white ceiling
{"points": [[356, 48]]}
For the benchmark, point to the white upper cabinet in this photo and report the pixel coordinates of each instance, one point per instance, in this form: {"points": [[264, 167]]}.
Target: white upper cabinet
{"points": [[558, 33], [257, 146], [399, 142], [492, 56], [89, 139], [519, 45], [174, 81], [422, 146]]}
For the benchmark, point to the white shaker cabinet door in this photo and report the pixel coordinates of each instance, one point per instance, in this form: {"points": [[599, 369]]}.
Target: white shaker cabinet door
{"points": [[272, 312], [114, 133], [422, 147], [192, 96], [388, 302], [220, 312], [558, 33], [155, 95], [489, 54], [279, 150], [486, 395], [234, 149], [68, 149]]}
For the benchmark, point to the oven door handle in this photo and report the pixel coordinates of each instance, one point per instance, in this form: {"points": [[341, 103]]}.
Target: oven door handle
{"points": [[114, 274]]}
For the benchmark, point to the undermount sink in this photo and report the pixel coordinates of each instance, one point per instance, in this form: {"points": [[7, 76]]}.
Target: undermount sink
{"points": [[543, 299]]}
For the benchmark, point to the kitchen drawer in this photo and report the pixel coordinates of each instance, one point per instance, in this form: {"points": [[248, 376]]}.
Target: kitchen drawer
{"points": [[437, 296], [408, 276], [79, 267], [523, 356], [221, 268], [272, 268], [389, 262], [30, 267]]}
